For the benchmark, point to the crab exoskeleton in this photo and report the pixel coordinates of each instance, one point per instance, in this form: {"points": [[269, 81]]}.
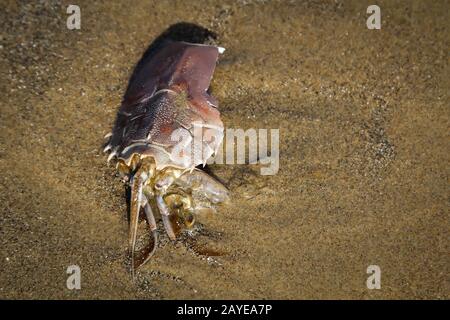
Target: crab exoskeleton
{"points": [[167, 98]]}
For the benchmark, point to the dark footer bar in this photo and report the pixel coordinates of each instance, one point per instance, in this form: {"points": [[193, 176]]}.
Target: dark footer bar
{"points": [[220, 309]]}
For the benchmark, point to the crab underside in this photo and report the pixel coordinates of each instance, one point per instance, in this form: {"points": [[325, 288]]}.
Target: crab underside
{"points": [[179, 194]]}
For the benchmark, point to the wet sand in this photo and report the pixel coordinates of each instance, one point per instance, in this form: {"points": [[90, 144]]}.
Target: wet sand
{"points": [[364, 152]]}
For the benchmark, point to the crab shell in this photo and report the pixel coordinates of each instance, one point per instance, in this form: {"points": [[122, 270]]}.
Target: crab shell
{"points": [[168, 94]]}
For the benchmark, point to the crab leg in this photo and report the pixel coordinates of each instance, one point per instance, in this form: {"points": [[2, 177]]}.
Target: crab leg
{"points": [[153, 228], [135, 206], [165, 216], [149, 214]]}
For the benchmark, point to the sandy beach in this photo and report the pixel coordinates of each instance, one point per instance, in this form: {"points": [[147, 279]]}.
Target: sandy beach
{"points": [[363, 117]]}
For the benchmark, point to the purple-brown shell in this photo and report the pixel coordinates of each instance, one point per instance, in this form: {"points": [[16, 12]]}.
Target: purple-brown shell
{"points": [[167, 92]]}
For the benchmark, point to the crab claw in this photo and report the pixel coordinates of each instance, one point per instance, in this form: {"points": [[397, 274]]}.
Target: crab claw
{"points": [[204, 184]]}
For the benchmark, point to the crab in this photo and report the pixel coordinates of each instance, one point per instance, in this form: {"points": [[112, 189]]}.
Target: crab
{"points": [[155, 140]]}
